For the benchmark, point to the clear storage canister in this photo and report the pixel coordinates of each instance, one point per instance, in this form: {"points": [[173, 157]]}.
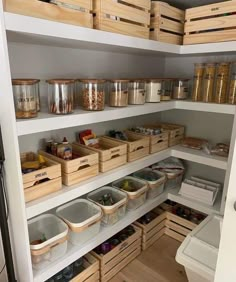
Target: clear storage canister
{"points": [[222, 79], [197, 82], [232, 85], [118, 96], [181, 89], [61, 96], [153, 91], [208, 82], [25, 93], [167, 89], [137, 92], [93, 94]]}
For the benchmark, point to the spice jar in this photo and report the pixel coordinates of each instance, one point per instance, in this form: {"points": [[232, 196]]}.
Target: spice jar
{"points": [[61, 96], [197, 82], [222, 78], [93, 94], [232, 85], [166, 89], [208, 82], [181, 88], [153, 90], [137, 92], [25, 93], [118, 93]]}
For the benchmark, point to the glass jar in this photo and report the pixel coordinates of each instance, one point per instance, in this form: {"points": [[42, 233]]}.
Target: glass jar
{"points": [[137, 92], [197, 82], [61, 96], [208, 82], [153, 90], [181, 89], [167, 89], [222, 79], [93, 94], [118, 93], [232, 85], [25, 93]]}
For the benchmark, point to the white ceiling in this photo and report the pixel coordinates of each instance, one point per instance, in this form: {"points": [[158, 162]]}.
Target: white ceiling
{"points": [[190, 3]]}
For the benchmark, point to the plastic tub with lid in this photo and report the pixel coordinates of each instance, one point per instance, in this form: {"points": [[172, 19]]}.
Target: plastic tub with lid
{"points": [[199, 251], [136, 190], [112, 213], [83, 219], [48, 239]]}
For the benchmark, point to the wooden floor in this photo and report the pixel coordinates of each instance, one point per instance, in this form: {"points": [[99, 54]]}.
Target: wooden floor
{"points": [[156, 264]]}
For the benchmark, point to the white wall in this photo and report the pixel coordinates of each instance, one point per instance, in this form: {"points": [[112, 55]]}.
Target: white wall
{"points": [[3, 276]]}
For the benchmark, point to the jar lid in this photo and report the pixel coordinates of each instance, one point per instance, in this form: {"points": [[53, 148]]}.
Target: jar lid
{"points": [[92, 80], [119, 80], [154, 79], [224, 64], [210, 64], [182, 79], [24, 81], [199, 64], [60, 81]]}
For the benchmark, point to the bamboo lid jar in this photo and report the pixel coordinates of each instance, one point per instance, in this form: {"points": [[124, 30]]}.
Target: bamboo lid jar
{"points": [[118, 94]]}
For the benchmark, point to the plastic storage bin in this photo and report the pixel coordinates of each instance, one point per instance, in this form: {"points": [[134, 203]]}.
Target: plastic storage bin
{"points": [[137, 196], [199, 251], [48, 239], [156, 187], [113, 213], [83, 219]]}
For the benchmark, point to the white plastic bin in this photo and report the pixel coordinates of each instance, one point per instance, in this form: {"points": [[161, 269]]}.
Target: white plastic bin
{"points": [[83, 219], [135, 198], [156, 187], [48, 239], [198, 252], [111, 214]]}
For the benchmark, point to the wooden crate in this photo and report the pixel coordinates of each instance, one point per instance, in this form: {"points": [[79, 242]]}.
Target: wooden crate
{"points": [[120, 256], [91, 272], [126, 17], [167, 23], [113, 155], [80, 169], [52, 172], [75, 12], [211, 23]]}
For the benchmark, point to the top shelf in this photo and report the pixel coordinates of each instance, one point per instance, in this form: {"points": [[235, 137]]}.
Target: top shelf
{"points": [[43, 32]]}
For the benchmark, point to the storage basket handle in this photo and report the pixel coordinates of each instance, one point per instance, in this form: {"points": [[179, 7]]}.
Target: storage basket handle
{"points": [[80, 229]]}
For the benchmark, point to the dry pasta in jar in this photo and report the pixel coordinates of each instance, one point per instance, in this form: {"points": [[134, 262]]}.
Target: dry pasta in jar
{"points": [[208, 82], [197, 82], [232, 85], [222, 78]]}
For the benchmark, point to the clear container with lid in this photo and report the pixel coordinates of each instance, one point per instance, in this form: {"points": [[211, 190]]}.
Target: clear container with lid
{"points": [[181, 89], [137, 92], [222, 79], [118, 96], [61, 96], [208, 82], [25, 93], [93, 94], [197, 82], [167, 89], [232, 85], [153, 90]]}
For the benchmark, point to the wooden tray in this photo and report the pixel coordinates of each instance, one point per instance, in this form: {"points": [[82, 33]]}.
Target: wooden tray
{"points": [[167, 23], [126, 17], [48, 11], [211, 23], [52, 172]]}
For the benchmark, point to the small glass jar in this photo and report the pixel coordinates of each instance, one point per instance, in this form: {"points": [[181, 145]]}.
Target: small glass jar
{"points": [[153, 90], [222, 79], [93, 94], [232, 85], [181, 89], [61, 96], [137, 92], [197, 82], [208, 82], [118, 96], [167, 89], [25, 93]]}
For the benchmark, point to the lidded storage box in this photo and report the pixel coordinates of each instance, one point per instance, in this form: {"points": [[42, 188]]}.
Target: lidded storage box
{"points": [[83, 218], [137, 92], [118, 95]]}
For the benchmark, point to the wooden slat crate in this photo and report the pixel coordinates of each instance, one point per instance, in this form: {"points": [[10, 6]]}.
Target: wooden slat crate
{"points": [[120, 256], [91, 272], [75, 12], [211, 23], [126, 17], [80, 169], [167, 23], [113, 154], [52, 173]]}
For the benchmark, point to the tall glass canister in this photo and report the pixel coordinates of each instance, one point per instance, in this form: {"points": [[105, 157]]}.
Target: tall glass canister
{"points": [[222, 79], [208, 82], [232, 85], [197, 82]]}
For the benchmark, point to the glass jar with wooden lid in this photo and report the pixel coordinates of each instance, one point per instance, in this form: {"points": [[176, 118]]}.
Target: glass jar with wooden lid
{"points": [[137, 92], [222, 79], [208, 82], [25, 93], [232, 85], [181, 89], [118, 93], [153, 90], [197, 82]]}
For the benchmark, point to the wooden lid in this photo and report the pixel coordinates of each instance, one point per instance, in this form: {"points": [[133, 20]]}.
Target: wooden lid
{"points": [[119, 80], [60, 81], [154, 79], [24, 81], [92, 80]]}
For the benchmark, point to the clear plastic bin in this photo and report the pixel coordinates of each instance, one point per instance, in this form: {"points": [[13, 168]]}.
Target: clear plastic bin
{"points": [[111, 214], [156, 187], [174, 178], [83, 219], [135, 198], [48, 239]]}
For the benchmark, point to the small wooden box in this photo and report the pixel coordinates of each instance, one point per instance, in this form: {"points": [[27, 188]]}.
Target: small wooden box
{"points": [[126, 17], [52, 172], [91, 272], [138, 145], [167, 23], [120, 256], [211, 23], [113, 155], [75, 12], [79, 169]]}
